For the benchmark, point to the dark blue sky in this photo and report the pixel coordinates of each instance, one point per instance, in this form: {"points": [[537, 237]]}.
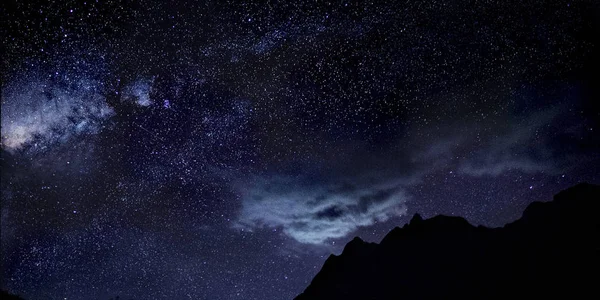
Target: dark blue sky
{"points": [[222, 150]]}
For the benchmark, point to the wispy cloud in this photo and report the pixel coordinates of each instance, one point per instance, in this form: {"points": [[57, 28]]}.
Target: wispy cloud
{"points": [[314, 213], [523, 147], [373, 186]]}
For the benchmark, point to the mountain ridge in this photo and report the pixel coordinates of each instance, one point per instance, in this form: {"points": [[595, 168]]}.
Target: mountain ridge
{"points": [[544, 252]]}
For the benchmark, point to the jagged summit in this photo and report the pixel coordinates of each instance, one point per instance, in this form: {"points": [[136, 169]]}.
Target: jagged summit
{"points": [[416, 219], [552, 250]]}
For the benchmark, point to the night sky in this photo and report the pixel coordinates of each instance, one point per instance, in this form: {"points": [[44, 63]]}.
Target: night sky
{"points": [[222, 150]]}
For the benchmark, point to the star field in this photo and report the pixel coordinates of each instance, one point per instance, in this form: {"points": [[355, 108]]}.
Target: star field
{"points": [[223, 149]]}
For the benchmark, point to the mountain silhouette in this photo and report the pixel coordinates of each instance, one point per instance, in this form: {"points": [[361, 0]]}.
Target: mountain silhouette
{"points": [[553, 250], [4, 295]]}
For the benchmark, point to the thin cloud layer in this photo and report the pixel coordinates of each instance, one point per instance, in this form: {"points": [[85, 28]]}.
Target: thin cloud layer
{"points": [[313, 214], [367, 190], [524, 147]]}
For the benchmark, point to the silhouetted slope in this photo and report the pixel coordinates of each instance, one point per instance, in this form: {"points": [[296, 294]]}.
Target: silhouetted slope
{"points": [[552, 250], [4, 295]]}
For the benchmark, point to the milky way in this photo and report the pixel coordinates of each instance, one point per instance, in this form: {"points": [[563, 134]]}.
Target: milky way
{"points": [[38, 111], [223, 150]]}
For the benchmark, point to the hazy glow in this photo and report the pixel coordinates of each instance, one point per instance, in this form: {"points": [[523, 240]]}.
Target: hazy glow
{"points": [[41, 112]]}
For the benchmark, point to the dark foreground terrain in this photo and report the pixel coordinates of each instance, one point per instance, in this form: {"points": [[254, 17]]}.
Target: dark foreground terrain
{"points": [[552, 251]]}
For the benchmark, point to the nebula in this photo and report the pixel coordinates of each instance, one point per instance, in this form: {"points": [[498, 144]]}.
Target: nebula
{"points": [[39, 111]]}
